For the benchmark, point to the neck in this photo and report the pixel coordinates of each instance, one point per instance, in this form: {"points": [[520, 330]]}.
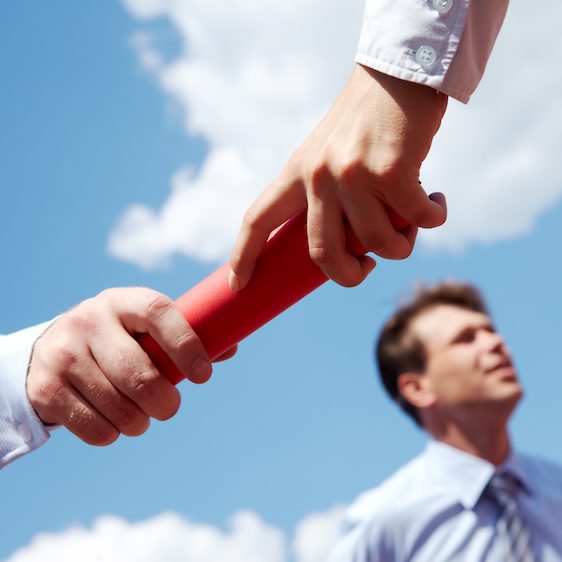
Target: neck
{"points": [[486, 440]]}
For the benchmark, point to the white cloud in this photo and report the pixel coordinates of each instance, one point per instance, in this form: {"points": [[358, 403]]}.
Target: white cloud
{"points": [[255, 76], [315, 534], [194, 218], [171, 538], [149, 57], [497, 159]]}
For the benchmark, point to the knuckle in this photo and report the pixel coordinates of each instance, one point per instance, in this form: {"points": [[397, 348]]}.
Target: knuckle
{"points": [[158, 305], [47, 393], [321, 177], [294, 163], [81, 319], [62, 356], [354, 172], [95, 392], [185, 341], [388, 167], [375, 242], [56, 355], [320, 256], [124, 360], [325, 259], [54, 392], [128, 419], [143, 385], [384, 247], [252, 219], [417, 216], [106, 295]]}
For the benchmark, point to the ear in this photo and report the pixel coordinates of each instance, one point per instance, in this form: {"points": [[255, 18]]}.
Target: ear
{"points": [[415, 388]]}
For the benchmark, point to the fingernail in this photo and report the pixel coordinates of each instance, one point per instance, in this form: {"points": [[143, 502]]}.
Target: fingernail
{"points": [[439, 198], [201, 370], [233, 281]]}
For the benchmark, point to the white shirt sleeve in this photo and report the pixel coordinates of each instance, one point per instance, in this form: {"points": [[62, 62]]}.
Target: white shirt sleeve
{"points": [[21, 431], [444, 44]]}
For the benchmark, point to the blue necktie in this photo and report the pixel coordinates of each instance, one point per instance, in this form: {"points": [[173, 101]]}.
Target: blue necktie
{"points": [[512, 531]]}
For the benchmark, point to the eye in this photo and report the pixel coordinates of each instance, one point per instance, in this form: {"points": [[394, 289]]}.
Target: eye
{"points": [[466, 336]]}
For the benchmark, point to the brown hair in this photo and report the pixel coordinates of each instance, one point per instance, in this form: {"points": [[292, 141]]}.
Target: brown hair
{"points": [[399, 350]]}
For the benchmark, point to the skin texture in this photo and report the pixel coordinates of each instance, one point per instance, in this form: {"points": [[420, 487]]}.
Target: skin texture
{"points": [[364, 157], [89, 374], [469, 388]]}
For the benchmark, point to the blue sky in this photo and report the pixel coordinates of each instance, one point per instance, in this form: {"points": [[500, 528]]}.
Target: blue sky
{"points": [[99, 114]]}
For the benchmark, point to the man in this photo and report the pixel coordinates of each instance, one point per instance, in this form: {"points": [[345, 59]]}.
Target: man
{"points": [[366, 154], [87, 372], [468, 495]]}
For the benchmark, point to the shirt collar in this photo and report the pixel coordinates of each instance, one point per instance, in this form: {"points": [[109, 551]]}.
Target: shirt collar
{"points": [[515, 465], [466, 475]]}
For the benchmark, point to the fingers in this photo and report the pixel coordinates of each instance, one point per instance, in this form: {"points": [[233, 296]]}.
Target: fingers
{"points": [[68, 408], [441, 200], [412, 203], [327, 235], [127, 367], [55, 400], [371, 224], [88, 372], [277, 204], [363, 159], [96, 392], [152, 312]]}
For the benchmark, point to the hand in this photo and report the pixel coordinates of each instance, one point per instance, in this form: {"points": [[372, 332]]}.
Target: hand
{"points": [[364, 157], [88, 372]]}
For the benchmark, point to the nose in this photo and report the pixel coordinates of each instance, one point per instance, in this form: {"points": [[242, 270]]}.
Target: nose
{"points": [[493, 341]]}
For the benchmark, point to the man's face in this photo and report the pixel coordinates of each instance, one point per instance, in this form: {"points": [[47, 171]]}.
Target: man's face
{"points": [[468, 364]]}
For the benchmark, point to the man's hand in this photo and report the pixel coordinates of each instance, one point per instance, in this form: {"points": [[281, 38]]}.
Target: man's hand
{"points": [[364, 157], [88, 372]]}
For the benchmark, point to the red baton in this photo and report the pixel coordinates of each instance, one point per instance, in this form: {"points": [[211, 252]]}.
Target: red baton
{"points": [[221, 318]]}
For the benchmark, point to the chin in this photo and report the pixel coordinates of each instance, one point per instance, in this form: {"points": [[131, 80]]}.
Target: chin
{"points": [[509, 397]]}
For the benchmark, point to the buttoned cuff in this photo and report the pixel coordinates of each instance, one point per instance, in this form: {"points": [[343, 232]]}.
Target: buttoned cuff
{"points": [[21, 431], [443, 44], [413, 41]]}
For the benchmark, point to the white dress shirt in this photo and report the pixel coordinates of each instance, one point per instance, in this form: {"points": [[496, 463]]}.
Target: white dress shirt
{"points": [[433, 510], [444, 44], [21, 431]]}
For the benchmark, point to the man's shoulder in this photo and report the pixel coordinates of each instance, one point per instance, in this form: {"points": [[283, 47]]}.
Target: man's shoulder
{"points": [[394, 498], [544, 473]]}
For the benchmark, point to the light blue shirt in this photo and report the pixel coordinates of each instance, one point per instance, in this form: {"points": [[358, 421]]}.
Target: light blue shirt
{"points": [[432, 510], [21, 431]]}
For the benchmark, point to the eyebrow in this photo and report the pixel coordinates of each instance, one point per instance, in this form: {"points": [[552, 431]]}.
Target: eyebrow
{"points": [[486, 325]]}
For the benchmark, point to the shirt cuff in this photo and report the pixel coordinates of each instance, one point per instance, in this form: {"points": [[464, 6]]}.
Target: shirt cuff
{"points": [[443, 44], [21, 430]]}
